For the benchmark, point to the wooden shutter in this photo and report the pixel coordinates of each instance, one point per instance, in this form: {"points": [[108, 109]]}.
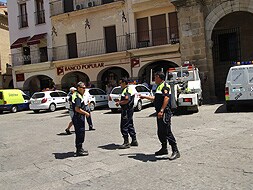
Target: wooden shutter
{"points": [[159, 31]]}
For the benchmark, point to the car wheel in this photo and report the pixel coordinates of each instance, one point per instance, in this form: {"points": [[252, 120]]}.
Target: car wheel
{"points": [[139, 106], [36, 111], [92, 106], [14, 109], [52, 107], [114, 110]]}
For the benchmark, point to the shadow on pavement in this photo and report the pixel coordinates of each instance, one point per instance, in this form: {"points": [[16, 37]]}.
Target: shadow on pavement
{"points": [[109, 146], [145, 157], [64, 155], [237, 108], [110, 112], [65, 134]]}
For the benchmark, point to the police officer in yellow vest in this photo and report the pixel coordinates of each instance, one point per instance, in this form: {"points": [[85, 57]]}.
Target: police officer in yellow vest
{"points": [[78, 119], [162, 107], [127, 109]]}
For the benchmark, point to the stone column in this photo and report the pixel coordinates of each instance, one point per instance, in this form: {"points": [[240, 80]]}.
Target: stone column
{"points": [[193, 43]]}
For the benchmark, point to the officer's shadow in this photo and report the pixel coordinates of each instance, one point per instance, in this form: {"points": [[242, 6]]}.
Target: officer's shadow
{"points": [[64, 155], [111, 146], [144, 157]]}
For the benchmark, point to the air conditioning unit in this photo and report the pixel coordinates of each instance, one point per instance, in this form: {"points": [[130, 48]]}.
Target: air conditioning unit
{"points": [[91, 4], [79, 6]]}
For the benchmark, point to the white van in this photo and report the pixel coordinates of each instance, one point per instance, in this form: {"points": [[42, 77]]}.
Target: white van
{"points": [[239, 86]]}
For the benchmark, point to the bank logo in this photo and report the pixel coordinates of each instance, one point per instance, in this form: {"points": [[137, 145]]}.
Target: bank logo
{"points": [[60, 70]]}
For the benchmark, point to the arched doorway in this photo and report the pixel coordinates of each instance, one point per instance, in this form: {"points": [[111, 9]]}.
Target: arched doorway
{"points": [[161, 65], [232, 41], [109, 77], [71, 79], [37, 83]]}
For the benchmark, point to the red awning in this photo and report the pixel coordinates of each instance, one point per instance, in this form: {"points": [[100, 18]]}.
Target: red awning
{"points": [[36, 39], [18, 43]]}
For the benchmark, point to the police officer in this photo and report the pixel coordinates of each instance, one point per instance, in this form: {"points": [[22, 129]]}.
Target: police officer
{"points": [[79, 118], [161, 103], [126, 125]]}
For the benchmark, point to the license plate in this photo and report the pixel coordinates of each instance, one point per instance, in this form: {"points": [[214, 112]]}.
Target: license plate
{"points": [[236, 90], [36, 101]]}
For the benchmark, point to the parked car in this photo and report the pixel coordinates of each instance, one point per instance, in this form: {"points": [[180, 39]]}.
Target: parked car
{"points": [[48, 100], [13, 100], [115, 96], [97, 98]]}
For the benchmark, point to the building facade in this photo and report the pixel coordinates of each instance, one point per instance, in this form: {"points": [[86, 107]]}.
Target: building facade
{"points": [[102, 41], [97, 41], [31, 44], [5, 67], [213, 35]]}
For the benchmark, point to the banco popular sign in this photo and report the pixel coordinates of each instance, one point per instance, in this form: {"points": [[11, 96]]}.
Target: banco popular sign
{"points": [[63, 69]]}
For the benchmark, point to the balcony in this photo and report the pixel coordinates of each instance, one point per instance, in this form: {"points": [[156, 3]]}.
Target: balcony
{"points": [[40, 17], [39, 56], [131, 41], [58, 7], [22, 20]]}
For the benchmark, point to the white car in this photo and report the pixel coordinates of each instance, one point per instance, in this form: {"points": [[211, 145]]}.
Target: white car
{"points": [[97, 98], [115, 96], [48, 100]]}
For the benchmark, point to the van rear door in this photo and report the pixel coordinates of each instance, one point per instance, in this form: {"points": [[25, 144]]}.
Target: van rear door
{"points": [[238, 83]]}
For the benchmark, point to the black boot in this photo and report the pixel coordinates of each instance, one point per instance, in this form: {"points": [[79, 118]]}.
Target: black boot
{"points": [[175, 153], [125, 144], [81, 152], [163, 150], [134, 142]]}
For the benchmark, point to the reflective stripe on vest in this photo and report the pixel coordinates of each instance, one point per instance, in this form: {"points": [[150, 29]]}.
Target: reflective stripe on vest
{"points": [[75, 95], [160, 87], [127, 90]]}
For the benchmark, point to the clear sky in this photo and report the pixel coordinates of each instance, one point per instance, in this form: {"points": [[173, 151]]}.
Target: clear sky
{"points": [[4, 1]]}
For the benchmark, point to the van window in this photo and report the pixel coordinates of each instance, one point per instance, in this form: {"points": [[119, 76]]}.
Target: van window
{"points": [[116, 91], [238, 76], [250, 70], [38, 95], [1, 95]]}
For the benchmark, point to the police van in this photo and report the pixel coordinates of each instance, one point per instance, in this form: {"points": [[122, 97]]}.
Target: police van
{"points": [[13, 100], [239, 85]]}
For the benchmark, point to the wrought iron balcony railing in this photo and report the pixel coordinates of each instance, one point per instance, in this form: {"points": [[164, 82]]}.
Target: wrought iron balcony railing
{"points": [[39, 56], [63, 6], [131, 41]]}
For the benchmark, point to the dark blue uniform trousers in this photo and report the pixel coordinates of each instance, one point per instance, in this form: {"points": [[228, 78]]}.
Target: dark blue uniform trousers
{"points": [[164, 129], [79, 125], [127, 124]]}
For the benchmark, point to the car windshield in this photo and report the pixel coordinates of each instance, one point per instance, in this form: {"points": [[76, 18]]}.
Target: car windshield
{"points": [[117, 90], [38, 95]]}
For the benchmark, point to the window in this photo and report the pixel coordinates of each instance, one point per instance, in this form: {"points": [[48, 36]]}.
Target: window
{"points": [[54, 94], [26, 97], [100, 92], [23, 22], [43, 54], [40, 14], [173, 28], [1, 95], [238, 76], [62, 94], [250, 71], [26, 55], [116, 91], [72, 45], [159, 30], [142, 32], [93, 92], [38, 95]]}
